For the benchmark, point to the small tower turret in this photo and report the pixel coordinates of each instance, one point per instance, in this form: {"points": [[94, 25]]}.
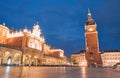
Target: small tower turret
{"points": [[36, 30]]}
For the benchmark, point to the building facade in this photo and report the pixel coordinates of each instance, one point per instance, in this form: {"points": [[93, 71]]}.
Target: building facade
{"points": [[22, 38], [10, 55], [92, 45], [79, 59], [30, 44], [110, 58]]}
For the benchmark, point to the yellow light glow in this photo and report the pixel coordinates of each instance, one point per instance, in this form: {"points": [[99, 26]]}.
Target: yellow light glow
{"points": [[91, 29]]}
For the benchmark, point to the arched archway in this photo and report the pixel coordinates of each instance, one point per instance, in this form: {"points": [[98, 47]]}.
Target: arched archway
{"points": [[16, 59], [26, 60], [7, 59]]}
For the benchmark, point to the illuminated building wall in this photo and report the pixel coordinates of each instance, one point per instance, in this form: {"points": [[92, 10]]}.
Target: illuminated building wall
{"points": [[15, 41], [79, 59], [48, 60], [31, 39], [56, 53], [110, 58], [46, 49], [32, 44], [3, 34]]}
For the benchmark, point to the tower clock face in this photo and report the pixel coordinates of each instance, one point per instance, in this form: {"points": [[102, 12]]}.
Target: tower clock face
{"points": [[90, 29]]}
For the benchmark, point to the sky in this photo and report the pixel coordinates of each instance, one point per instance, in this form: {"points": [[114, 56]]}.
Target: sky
{"points": [[62, 21]]}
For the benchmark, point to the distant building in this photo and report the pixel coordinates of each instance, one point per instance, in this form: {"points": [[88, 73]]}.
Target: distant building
{"points": [[79, 59], [49, 60], [92, 45], [53, 52], [56, 53], [110, 58]]}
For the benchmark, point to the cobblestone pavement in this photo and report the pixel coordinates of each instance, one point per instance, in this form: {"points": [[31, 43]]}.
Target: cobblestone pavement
{"points": [[57, 72]]}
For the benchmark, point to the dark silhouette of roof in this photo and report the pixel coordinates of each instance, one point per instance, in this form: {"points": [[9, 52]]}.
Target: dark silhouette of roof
{"points": [[81, 51], [104, 51]]}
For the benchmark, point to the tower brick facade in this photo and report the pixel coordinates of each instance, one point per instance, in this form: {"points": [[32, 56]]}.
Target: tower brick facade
{"points": [[93, 55]]}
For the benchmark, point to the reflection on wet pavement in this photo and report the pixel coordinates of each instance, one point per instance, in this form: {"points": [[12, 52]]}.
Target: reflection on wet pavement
{"points": [[57, 72]]}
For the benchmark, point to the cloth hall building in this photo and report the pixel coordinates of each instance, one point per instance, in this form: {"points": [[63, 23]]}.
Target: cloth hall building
{"points": [[27, 47]]}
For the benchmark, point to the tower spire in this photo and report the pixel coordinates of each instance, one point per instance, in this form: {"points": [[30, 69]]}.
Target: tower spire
{"points": [[89, 14], [90, 20]]}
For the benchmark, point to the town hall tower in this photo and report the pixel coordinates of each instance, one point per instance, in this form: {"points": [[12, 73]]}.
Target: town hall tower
{"points": [[92, 45]]}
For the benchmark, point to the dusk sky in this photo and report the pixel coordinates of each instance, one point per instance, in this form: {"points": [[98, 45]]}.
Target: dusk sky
{"points": [[62, 21]]}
